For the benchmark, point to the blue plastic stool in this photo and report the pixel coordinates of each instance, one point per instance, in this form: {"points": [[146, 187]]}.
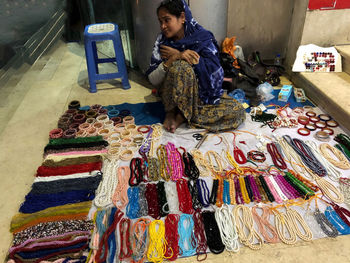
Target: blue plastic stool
{"points": [[101, 32]]}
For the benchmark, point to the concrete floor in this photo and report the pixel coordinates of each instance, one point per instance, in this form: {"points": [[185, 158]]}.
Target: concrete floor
{"points": [[30, 107]]}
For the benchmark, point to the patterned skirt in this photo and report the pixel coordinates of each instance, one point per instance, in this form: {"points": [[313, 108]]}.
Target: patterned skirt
{"points": [[180, 90]]}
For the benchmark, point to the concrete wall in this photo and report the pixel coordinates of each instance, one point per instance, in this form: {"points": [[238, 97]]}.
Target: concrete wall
{"points": [[327, 27], [296, 32], [260, 25]]}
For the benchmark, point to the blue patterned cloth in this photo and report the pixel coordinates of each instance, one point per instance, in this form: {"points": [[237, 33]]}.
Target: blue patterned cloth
{"points": [[208, 71]]}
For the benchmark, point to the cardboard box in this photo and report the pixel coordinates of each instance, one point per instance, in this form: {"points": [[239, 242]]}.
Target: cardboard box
{"points": [[285, 92]]}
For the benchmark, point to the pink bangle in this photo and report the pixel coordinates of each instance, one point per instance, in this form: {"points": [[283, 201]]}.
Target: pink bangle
{"points": [[56, 133]]}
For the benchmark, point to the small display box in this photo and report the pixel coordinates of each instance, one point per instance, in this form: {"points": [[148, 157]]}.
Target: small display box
{"points": [[285, 93], [299, 95]]}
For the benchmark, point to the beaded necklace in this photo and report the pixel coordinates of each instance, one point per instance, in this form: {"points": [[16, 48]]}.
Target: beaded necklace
{"points": [[125, 244], [136, 172], [185, 199], [152, 201], [165, 167], [264, 224], [342, 161], [157, 245], [187, 241], [139, 239], [283, 225], [175, 160], [212, 233], [200, 235], [245, 221], [276, 156], [193, 188], [172, 236], [200, 162], [153, 169], [133, 207], [120, 197], [238, 153], [226, 193], [203, 192], [215, 169], [336, 221], [190, 169], [171, 196], [227, 226]]}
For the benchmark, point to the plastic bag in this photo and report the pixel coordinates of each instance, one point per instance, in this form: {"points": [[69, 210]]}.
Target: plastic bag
{"points": [[265, 91]]}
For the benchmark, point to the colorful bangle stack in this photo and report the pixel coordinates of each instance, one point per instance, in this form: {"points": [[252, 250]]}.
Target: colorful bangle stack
{"points": [[129, 120], [74, 104], [79, 118], [70, 133], [256, 156]]}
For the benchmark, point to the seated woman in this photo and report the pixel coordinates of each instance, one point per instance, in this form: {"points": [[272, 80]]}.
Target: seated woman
{"points": [[185, 65]]}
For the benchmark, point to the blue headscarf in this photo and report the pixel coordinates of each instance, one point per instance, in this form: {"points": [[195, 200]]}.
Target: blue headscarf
{"points": [[209, 72]]}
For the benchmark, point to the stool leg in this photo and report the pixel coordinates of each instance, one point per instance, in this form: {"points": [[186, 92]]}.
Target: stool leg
{"points": [[91, 66], [94, 49], [120, 59]]}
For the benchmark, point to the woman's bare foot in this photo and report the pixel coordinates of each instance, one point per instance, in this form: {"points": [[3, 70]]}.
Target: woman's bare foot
{"points": [[169, 122], [179, 119]]}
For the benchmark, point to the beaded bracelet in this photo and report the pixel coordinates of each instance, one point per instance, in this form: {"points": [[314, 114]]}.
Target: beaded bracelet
{"points": [[256, 156]]}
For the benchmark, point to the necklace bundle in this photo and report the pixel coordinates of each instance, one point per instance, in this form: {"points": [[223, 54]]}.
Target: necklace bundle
{"points": [[175, 160], [291, 155], [136, 172], [164, 166], [215, 169], [172, 236], [306, 155], [297, 220], [325, 225], [104, 192], [203, 192], [192, 187], [125, 244], [344, 185], [139, 240], [133, 207], [276, 156], [200, 163], [152, 201], [185, 199], [244, 191], [120, 196], [171, 196], [162, 201], [157, 243], [332, 172], [238, 153], [341, 163], [143, 209], [336, 221], [226, 193], [245, 221], [212, 233], [190, 169], [264, 224], [103, 245], [227, 226], [200, 235], [343, 139], [187, 241], [153, 169], [282, 225], [214, 192]]}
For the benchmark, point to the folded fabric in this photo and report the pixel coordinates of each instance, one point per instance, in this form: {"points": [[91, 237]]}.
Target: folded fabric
{"points": [[57, 186], [75, 140], [50, 252], [59, 240], [63, 212], [49, 230], [69, 151], [69, 169], [71, 161], [35, 203]]}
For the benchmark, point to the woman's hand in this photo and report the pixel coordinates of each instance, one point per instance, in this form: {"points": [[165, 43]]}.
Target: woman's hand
{"points": [[167, 52], [190, 56]]}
